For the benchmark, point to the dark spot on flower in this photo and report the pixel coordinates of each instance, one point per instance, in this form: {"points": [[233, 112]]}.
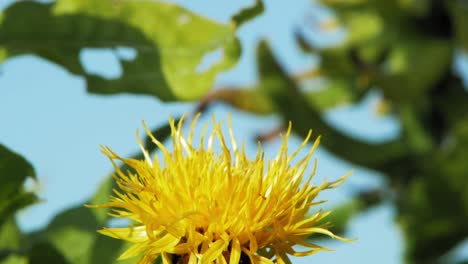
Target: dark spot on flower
{"points": [[244, 259]]}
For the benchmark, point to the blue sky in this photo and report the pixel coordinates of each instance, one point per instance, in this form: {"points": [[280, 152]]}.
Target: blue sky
{"points": [[49, 118]]}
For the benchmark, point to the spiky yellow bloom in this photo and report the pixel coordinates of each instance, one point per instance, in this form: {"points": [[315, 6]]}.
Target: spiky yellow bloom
{"points": [[203, 206]]}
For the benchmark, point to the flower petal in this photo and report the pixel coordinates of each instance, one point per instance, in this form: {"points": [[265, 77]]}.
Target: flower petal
{"points": [[213, 252]]}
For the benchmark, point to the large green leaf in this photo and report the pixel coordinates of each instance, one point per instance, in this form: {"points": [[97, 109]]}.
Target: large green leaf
{"points": [[14, 170], [172, 43]]}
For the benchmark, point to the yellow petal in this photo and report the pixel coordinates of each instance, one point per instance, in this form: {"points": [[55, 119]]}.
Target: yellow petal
{"points": [[130, 234], [235, 251], [213, 252], [133, 251]]}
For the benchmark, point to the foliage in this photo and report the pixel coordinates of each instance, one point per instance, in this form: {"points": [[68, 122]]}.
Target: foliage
{"points": [[171, 43], [403, 49], [14, 170]]}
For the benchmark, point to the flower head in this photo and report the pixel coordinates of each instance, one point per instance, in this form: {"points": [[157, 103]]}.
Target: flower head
{"points": [[202, 206]]}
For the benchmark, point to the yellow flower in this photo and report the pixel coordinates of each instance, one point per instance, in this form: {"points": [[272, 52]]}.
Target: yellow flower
{"points": [[203, 206]]}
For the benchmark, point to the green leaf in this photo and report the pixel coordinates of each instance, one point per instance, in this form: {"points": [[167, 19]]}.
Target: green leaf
{"points": [[417, 136], [249, 13], [10, 234], [343, 3], [172, 43], [15, 259], [292, 106], [434, 212], [459, 9], [45, 253], [413, 67], [349, 69], [14, 170], [433, 216], [363, 26], [10, 239], [248, 99], [334, 92]]}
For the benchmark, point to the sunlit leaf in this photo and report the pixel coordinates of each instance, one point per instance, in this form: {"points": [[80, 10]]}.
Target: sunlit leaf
{"points": [[363, 26], [173, 45]]}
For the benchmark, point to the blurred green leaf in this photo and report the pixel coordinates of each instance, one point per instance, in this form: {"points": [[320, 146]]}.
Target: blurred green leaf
{"points": [[10, 239], [419, 141], [174, 45], [392, 12], [248, 13], [336, 63], [405, 49], [14, 170], [248, 99], [10, 234], [305, 45], [332, 93], [3, 54], [435, 210], [363, 26], [413, 67], [433, 218], [251, 99], [459, 9], [292, 106], [15, 259], [45, 253]]}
